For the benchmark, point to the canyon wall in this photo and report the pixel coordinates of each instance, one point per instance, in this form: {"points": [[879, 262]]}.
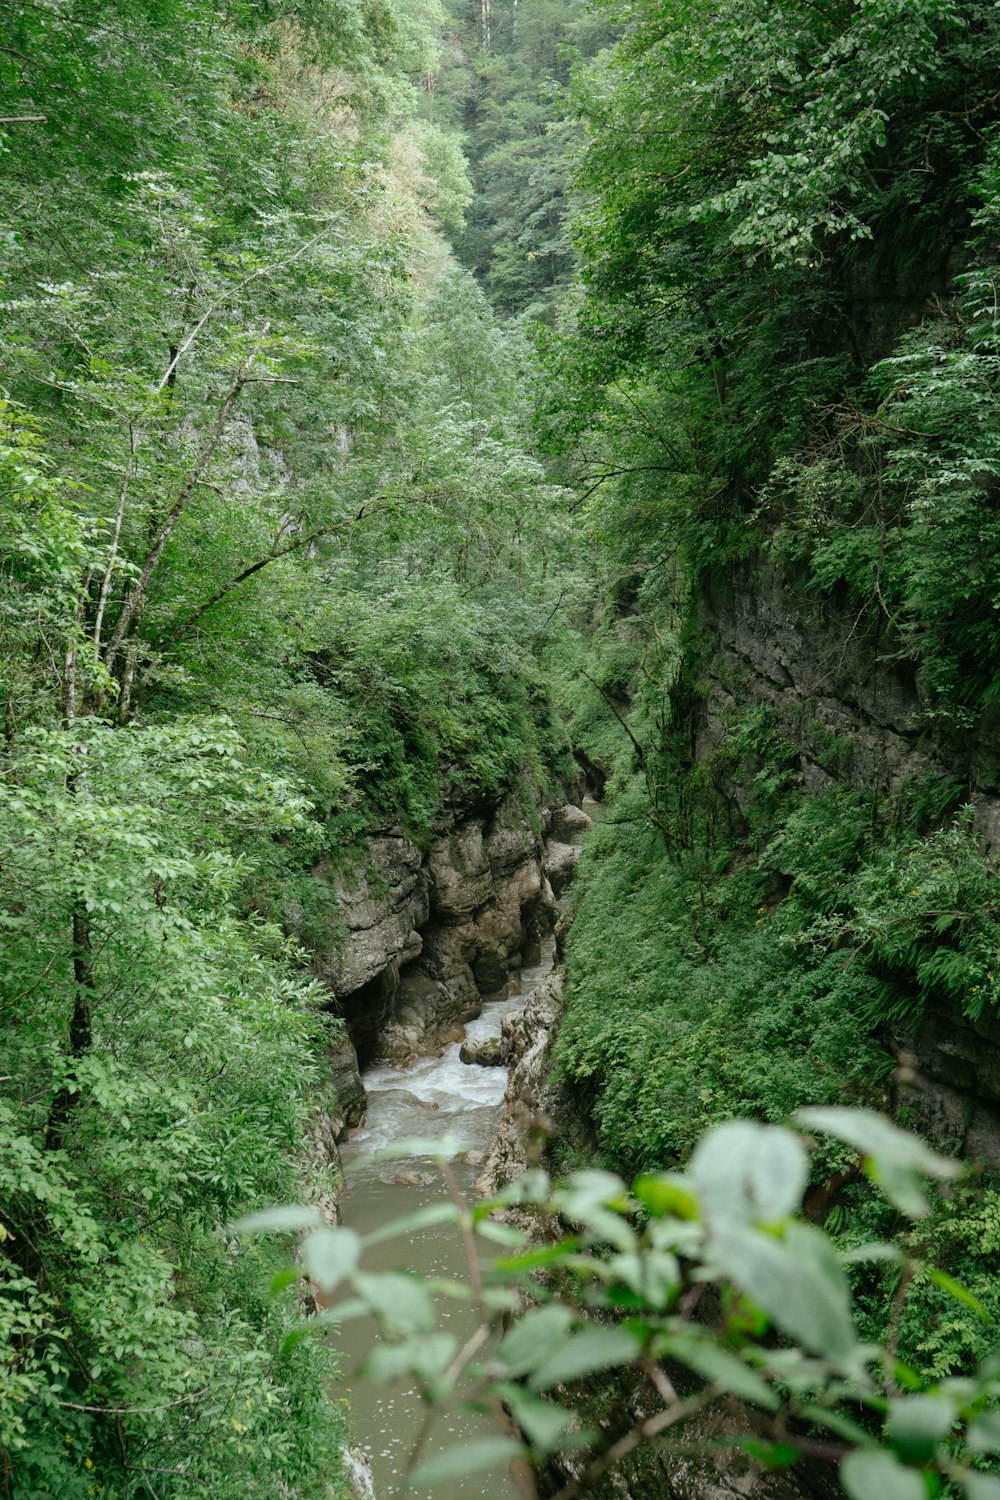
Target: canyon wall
{"points": [[850, 702], [429, 933]]}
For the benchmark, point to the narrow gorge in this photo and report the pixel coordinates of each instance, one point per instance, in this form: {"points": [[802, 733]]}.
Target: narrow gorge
{"points": [[431, 935], [499, 791]]}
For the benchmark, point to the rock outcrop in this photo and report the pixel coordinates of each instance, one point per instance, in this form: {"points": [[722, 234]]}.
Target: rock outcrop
{"points": [[427, 935], [485, 1054], [349, 1091], [950, 1080], [526, 1116], [848, 695], [568, 824], [849, 701]]}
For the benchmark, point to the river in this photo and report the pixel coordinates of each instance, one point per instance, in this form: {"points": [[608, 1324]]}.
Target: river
{"points": [[434, 1097]]}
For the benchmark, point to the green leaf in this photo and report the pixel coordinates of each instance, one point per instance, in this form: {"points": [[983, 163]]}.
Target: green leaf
{"points": [[983, 1435], [401, 1301], [654, 1275], [769, 1455], [917, 1425], [501, 1234], [959, 1292], [533, 1186], [460, 1291], [545, 1424], [837, 1422], [980, 1486], [718, 1366], [901, 1185], [874, 1252], [665, 1193], [388, 1362], [465, 1459], [285, 1220], [282, 1279], [595, 1348], [879, 1138], [423, 1218], [329, 1255], [429, 1355], [534, 1338], [501, 1299], [295, 1337], [747, 1173], [546, 1255], [801, 1285], [873, 1474], [597, 1200]]}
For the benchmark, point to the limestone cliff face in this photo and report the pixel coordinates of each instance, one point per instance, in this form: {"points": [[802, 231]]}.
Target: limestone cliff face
{"points": [[837, 679], [853, 709], [428, 934], [532, 1099]]}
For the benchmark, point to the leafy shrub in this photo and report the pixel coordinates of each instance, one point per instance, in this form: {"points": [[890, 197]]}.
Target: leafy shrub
{"points": [[609, 1285]]}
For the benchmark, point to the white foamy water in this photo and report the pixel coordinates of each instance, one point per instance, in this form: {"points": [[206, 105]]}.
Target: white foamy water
{"points": [[434, 1097], [438, 1096]]}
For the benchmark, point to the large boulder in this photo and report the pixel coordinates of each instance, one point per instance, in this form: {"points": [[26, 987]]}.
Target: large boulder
{"points": [[423, 1012], [560, 865], [485, 1054], [568, 824], [349, 1091]]}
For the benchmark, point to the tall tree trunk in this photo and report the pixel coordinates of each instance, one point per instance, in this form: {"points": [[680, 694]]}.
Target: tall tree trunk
{"points": [[135, 600], [81, 1021], [80, 1026]]}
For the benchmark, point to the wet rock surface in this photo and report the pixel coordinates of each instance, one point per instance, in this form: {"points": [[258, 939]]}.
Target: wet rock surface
{"points": [[348, 1089], [530, 1099], [485, 1054], [424, 937]]}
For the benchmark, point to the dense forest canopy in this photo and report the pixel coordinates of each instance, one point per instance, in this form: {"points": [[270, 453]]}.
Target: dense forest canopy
{"points": [[394, 398]]}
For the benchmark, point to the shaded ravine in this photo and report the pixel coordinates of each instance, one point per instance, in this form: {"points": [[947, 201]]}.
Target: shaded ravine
{"points": [[433, 1097]]}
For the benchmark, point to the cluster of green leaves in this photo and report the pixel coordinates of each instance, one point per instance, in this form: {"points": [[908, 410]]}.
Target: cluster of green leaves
{"points": [[134, 1340], [941, 1332], [779, 356], [896, 507], [740, 943], [501, 80], [609, 1281], [744, 933], [684, 1006], [769, 197]]}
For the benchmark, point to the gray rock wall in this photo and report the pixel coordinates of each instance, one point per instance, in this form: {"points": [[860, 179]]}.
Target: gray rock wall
{"points": [[853, 709], [839, 680], [429, 934]]}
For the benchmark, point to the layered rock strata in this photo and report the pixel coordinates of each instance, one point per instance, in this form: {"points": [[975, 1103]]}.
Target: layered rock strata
{"points": [[429, 934], [845, 695], [531, 1101]]}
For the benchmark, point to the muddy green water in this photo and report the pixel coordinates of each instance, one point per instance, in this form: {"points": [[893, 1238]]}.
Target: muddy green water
{"points": [[437, 1096]]}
